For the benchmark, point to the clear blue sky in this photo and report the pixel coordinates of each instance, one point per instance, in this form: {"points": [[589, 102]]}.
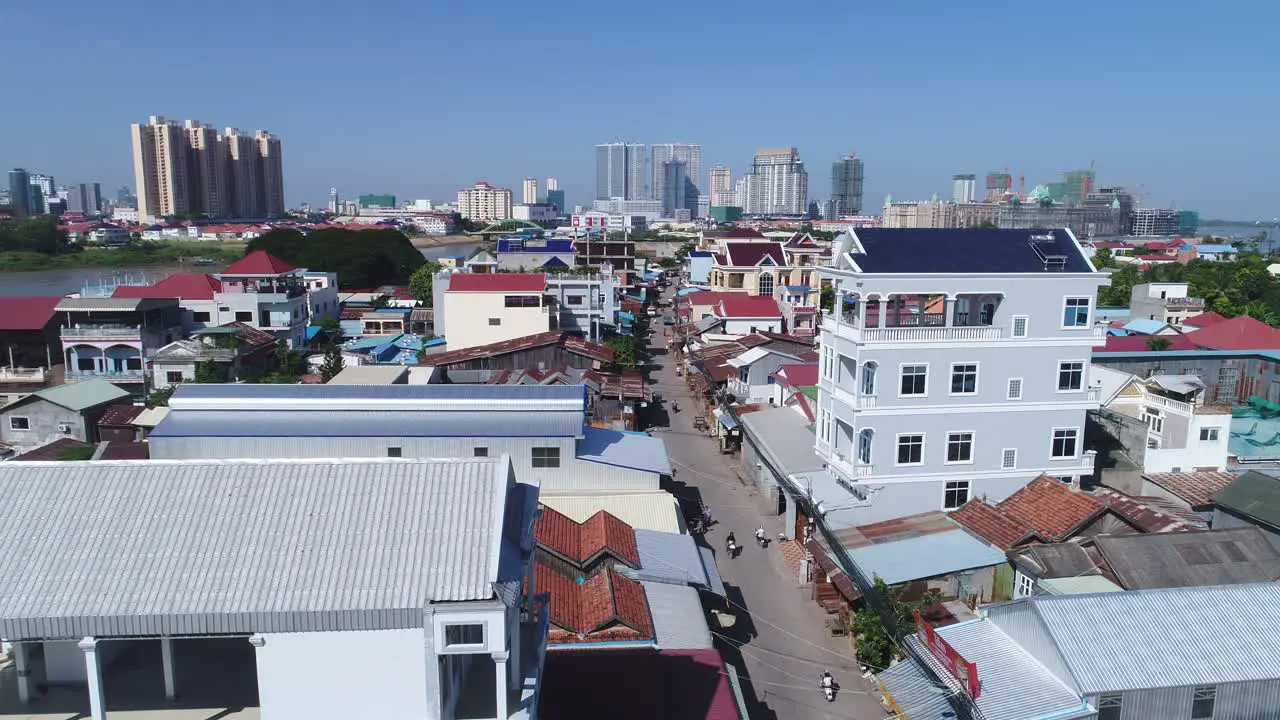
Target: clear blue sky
{"points": [[421, 98]]}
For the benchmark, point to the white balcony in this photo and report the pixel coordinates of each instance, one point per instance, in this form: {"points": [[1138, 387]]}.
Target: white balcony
{"points": [[1094, 394], [864, 402], [1099, 332], [23, 375], [1164, 403], [1084, 465], [931, 334], [101, 332]]}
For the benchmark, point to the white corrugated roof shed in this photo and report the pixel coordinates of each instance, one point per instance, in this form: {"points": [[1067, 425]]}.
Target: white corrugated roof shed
{"points": [[657, 510], [679, 622], [220, 546]]}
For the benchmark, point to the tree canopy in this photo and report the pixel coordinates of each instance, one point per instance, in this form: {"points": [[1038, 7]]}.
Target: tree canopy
{"points": [[1242, 287], [38, 234], [362, 258], [878, 633]]}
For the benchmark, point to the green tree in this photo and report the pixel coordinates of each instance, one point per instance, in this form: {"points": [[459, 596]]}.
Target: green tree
{"points": [[329, 324], [827, 298], [624, 351], [332, 363], [160, 398], [879, 632], [1155, 343], [210, 372], [1104, 258], [422, 281], [361, 258]]}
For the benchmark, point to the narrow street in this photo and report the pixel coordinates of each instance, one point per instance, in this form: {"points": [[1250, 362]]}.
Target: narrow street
{"points": [[779, 642]]}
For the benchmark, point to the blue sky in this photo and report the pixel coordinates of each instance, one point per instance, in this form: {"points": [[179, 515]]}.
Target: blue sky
{"points": [[422, 98]]}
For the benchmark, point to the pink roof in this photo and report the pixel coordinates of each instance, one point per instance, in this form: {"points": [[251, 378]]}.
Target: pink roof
{"points": [[1157, 258], [748, 306], [1204, 319], [259, 262], [498, 282], [798, 375], [26, 313], [710, 297], [186, 286], [1138, 343], [1238, 333]]}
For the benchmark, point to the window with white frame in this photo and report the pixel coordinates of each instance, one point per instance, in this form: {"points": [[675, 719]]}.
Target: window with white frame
{"points": [[824, 427], [1064, 442], [1110, 705], [1154, 420], [955, 494], [828, 363], [1203, 698], [1015, 389], [1070, 375], [868, 379], [964, 378], [546, 457], [1008, 458], [469, 634], [1075, 312], [1023, 586], [960, 447], [1209, 434], [765, 284], [915, 381], [865, 436], [911, 449], [1020, 326]]}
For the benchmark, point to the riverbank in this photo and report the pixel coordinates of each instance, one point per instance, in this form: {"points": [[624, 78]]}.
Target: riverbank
{"points": [[135, 255]]}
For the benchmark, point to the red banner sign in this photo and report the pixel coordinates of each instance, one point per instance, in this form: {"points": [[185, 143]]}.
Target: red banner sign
{"points": [[963, 670]]}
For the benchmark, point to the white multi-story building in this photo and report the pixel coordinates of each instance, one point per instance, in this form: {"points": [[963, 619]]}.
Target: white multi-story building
{"points": [[777, 184], [483, 201], [529, 191], [950, 372], [963, 187], [1168, 303], [721, 186], [689, 154]]}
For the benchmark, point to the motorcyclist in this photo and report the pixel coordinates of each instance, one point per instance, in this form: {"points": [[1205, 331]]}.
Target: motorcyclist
{"points": [[731, 543], [760, 535], [828, 686]]}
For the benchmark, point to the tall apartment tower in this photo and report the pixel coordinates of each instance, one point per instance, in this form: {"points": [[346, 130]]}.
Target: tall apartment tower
{"points": [[947, 375], [529, 191], [207, 170], [620, 171], [777, 184], [721, 186], [333, 200], [160, 169], [48, 190], [242, 163], [675, 186], [19, 192], [553, 184], [846, 186], [687, 153], [270, 174], [964, 188]]}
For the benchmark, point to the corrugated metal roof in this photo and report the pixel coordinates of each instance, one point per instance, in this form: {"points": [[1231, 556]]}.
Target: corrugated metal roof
{"points": [[916, 693], [785, 438], [361, 396], [925, 556], [656, 510], [151, 416], [367, 423], [1015, 686], [83, 395], [622, 449], [679, 622], [1078, 585], [1171, 637], [714, 581], [668, 557], [155, 547]]}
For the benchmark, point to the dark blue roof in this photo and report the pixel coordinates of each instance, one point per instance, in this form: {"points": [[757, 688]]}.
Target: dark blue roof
{"points": [[910, 250], [554, 262], [552, 245]]}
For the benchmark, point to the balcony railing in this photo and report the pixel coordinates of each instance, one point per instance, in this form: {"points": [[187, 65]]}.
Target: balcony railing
{"points": [[930, 334], [1187, 302], [74, 374], [103, 331], [1093, 394], [1177, 406], [1099, 332], [23, 375], [864, 402]]}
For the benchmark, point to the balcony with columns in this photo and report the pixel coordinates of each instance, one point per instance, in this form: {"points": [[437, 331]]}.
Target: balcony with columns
{"points": [[910, 318]]}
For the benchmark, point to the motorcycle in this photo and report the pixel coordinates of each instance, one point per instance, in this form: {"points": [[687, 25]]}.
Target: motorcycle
{"points": [[828, 685]]}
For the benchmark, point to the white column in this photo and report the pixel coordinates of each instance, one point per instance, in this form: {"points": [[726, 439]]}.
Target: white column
{"points": [[93, 671], [166, 659], [950, 310], [500, 683], [435, 702], [22, 665]]}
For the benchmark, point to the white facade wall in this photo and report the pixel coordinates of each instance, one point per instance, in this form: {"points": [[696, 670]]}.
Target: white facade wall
{"points": [[481, 318], [343, 675], [745, 326], [64, 660], [1203, 448]]}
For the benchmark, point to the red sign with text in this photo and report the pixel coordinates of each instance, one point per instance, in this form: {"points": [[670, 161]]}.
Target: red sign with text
{"points": [[963, 670]]}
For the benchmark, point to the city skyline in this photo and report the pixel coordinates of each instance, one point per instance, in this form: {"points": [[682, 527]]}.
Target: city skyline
{"points": [[1220, 161]]}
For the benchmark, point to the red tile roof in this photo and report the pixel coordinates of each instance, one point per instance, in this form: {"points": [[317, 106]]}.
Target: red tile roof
{"points": [[709, 297], [571, 343], [748, 306], [605, 607], [259, 262], [120, 414], [990, 524], [1138, 343], [52, 451], [1195, 488], [1204, 319], [584, 543], [27, 313], [797, 375], [498, 282], [1151, 515], [1051, 508], [750, 254], [186, 286], [1238, 333]]}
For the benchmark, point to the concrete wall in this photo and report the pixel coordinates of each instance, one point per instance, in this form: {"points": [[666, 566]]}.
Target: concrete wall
{"points": [[468, 316], [64, 661], [343, 675], [43, 420], [888, 501]]}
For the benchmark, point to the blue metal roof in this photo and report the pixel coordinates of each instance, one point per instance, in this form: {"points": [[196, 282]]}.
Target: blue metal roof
{"points": [[669, 557], [367, 423], [554, 262], [508, 393], [1273, 355], [701, 254], [690, 290], [528, 245], [798, 288], [912, 250], [313, 331], [614, 447], [925, 556], [1212, 249], [1145, 326]]}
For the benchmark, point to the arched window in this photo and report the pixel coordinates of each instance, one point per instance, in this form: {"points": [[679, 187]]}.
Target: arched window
{"points": [[865, 437], [766, 284]]}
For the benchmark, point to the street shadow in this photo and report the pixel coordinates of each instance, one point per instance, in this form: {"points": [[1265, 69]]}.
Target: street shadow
{"points": [[744, 630], [689, 498], [756, 708]]}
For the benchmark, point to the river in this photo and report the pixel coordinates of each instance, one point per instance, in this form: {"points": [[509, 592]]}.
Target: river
{"points": [[69, 280]]}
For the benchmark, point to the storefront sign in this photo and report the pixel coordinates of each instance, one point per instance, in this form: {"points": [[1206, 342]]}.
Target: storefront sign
{"points": [[963, 670]]}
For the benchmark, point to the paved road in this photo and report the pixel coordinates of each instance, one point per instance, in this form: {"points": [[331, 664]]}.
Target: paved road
{"points": [[783, 644]]}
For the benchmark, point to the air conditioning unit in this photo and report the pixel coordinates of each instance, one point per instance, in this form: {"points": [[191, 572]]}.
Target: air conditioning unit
{"points": [[64, 428]]}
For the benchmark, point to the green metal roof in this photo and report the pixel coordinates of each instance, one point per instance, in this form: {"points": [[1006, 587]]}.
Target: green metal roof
{"points": [[1253, 495], [1082, 585], [83, 395], [810, 391]]}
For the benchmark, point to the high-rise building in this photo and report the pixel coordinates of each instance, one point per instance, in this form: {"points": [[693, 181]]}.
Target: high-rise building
{"points": [[242, 155], [620, 171], [207, 165], [777, 184], [48, 191], [270, 166], [483, 201], [846, 185], [85, 198], [125, 197], [333, 200], [529, 191], [553, 184], [160, 169], [998, 183], [963, 188], [687, 153], [19, 195], [674, 182], [721, 186], [555, 199]]}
